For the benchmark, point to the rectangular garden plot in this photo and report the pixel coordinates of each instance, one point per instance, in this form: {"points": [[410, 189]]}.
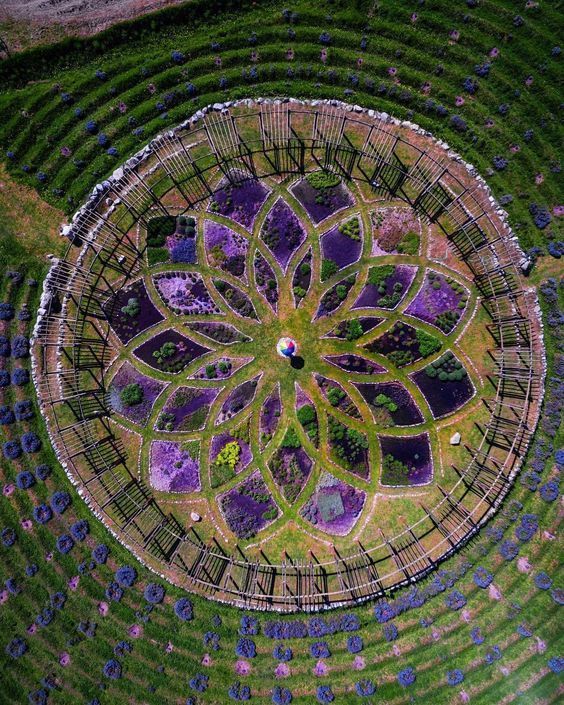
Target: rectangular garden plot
{"points": [[130, 311], [290, 466], [133, 395], [340, 247], [396, 231], [348, 448], [385, 286], [335, 506], [248, 507], [225, 248], [441, 301], [230, 453], [406, 461], [174, 466]]}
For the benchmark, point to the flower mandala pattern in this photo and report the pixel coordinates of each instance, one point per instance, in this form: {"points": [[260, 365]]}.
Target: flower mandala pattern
{"points": [[256, 441]]}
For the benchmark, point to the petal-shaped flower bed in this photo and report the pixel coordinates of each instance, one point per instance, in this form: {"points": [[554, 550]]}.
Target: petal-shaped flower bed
{"points": [[132, 394], [335, 506], [403, 344], [355, 363], [282, 232], [265, 280], [302, 278], [225, 249], [236, 299], [335, 296], [336, 396], [219, 332], [238, 399], [385, 286], [290, 466], [354, 328], [241, 200], [169, 351], [441, 301], [322, 194], [395, 231], [390, 404], [307, 415], [270, 416], [444, 384], [230, 452], [130, 311], [341, 246], [406, 461], [223, 368], [186, 409], [185, 293], [348, 448], [174, 466], [248, 507]]}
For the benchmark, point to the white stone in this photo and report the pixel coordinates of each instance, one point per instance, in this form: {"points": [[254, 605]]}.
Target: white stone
{"points": [[195, 516], [455, 439]]}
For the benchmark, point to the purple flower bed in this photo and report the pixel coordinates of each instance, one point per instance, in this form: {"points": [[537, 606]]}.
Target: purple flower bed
{"points": [[321, 203], [160, 356], [248, 507], [131, 311], [355, 363], [223, 333], [341, 248], [238, 399], [270, 416], [220, 473], [240, 201], [151, 388], [441, 301], [223, 368], [185, 293], [403, 344], [386, 286], [390, 404], [186, 409], [337, 396], [265, 280], [302, 278], [348, 448], [282, 232], [174, 467], [225, 248], [444, 384], [334, 297], [396, 231], [406, 461], [334, 507], [236, 299], [354, 328], [290, 468]]}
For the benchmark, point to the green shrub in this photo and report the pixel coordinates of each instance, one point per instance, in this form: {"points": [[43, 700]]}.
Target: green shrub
{"points": [[132, 394], [323, 179]]}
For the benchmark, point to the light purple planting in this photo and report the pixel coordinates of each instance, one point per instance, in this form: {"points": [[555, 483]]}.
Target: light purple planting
{"points": [[221, 440], [270, 416], [335, 505], [282, 232], [340, 248], [238, 400], [174, 466], [225, 248], [390, 225], [355, 363], [240, 201], [152, 388], [414, 452], [370, 297], [185, 293], [437, 297], [186, 409], [223, 368]]}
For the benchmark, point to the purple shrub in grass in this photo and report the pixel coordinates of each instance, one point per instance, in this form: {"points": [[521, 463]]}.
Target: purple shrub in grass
{"points": [[100, 554], [492, 655], [211, 640], [508, 550], [199, 683], [65, 543], [42, 513], [556, 664], [31, 443], [281, 696], [45, 617], [542, 581], [324, 694], [5, 347], [249, 625], [8, 537], [6, 311], [16, 648], [239, 692], [184, 609], [455, 600], [354, 644], [23, 410], [406, 677], [58, 600], [365, 688], [80, 530], [60, 502], [42, 472], [454, 677], [246, 648], [12, 586], [5, 378], [126, 576], [524, 631], [476, 636], [550, 491], [482, 578], [319, 649], [122, 648], [112, 669], [12, 450], [154, 593], [38, 697], [383, 612], [282, 653], [25, 480], [390, 632], [114, 592], [6, 416]]}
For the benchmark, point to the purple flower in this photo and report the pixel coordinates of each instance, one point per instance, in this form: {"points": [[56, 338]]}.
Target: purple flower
{"points": [[482, 578], [239, 692], [103, 140], [154, 593], [112, 669], [31, 443], [65, 543], [365, 688], [4, 378], [38, 697], [455, 600], [6, 311], [211, 640], [58, 600], [281, 696], [354, 644], [524, 631], [406, 677], [42, 472], [493, 654], [325, 694], [319, 649], [282, 653], [325, 38], [543, 581], [249, 626], [126, 576], [91, 127], [556, 664], [470, 85], [101, 75], [183, 609], [80, 530], [25, 480], [390, 632], [45, 617], [199, 683], [122, 648], [177, 57], [60, 502], [100, 553], [114, 592], [454, 677], [246, 648], [384, 612], [42, 513], [12, 450], [184, 251], [16, 648], [23, 410], [6, 416], [550, 491], [508, 550], [500, 163]]}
